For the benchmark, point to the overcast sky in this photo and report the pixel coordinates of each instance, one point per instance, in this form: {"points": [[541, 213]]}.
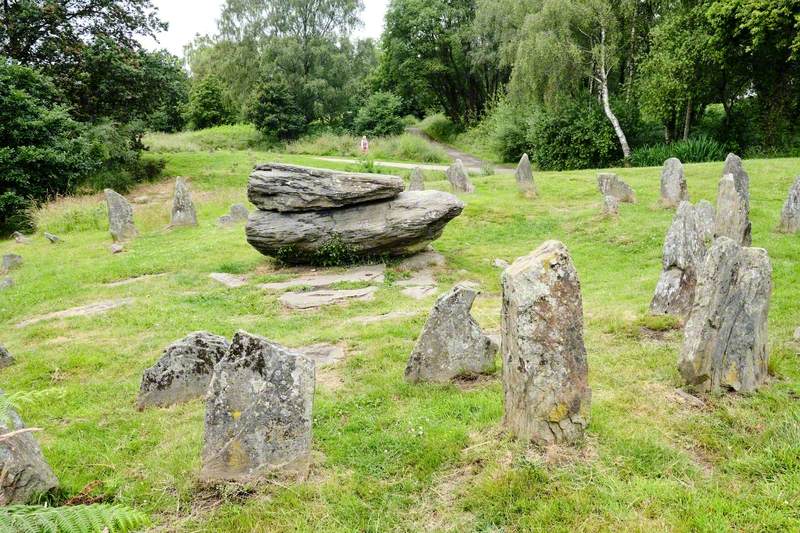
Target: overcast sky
{"points": [[187, 18]]}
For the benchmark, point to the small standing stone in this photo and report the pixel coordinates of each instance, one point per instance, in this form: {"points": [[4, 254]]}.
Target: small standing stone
{"points": [[726, 345], [612, 185], [452, 344], [790, 217], [417, 180], [459, 178], [610, 206], [545, 371], [19, 238], [732, 218], [26, 474], [6, 283], [258, 412], [11, 262], [120, 217], [239, 212], [673, 183], [183, 211], [524, 175], [6, 359], [183, 372], [735, 167], [52, 238]]}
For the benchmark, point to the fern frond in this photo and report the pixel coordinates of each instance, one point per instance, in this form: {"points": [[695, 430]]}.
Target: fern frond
{"points": [[76, 519]]}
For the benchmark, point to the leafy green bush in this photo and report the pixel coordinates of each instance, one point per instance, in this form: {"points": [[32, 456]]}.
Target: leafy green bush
{"points": [[275, 112], [439, 127], [380, 116], [207, 105], [695, 150], [510, 132]]}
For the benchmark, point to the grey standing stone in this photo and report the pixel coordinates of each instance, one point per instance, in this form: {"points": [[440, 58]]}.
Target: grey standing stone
{"points": [[726, 345], [11, 262], [6, 359], [685, 249], [26, 474], [610, 205], [183, 211], [258, 412], [459, 178], [452, 344], [183, 372], [545, 371], [239, 212], [524, 175], [6, 283], [732, 218], [417, 180], [612, 185], [735, 167], [52, 238], [790, 216], [120, 217], [673, 183]]}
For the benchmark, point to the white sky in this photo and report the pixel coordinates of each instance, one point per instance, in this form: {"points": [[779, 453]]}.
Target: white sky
{"points": [[188, 18]]}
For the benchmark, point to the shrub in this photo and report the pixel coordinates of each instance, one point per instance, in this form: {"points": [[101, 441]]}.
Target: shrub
{"points": [[206, 105], [275, 112], [380, 116], [699, 149], [439, 127], [510, 132]]}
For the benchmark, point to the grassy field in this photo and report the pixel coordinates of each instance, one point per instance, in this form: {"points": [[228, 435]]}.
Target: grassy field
{"points": [[390, 456]]}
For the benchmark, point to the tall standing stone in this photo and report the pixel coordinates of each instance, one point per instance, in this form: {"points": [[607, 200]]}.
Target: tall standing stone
{"points": [[684, 252], [673, 183], [120, 217], [459, 178], [417, 180], [732, 218], [183, 211], [611, 185], [790, 216], [452, 344], [524, 175], [545, 371], [735, 167], [258, 412], [726, 345]]}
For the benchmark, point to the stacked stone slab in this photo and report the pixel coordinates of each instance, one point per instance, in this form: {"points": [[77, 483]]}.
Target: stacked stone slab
{"points": [[612, 185], [183, 211], [120, 217], [790, 216], [458, 177], [673, 184], [545, 371], [726, 345], [524, 175], [685, 249], [301, 211], [452, 344], [733, 203]]}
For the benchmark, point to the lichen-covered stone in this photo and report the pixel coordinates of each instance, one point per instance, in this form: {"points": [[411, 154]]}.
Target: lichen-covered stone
{"points": [[612, 185], [685, 249], [610, 206], [417, 180], [458, 177], [545, 371], [183, 372], [120, 217], [726, 345], [524, 176], [25, 473], [6, 359], [790, 216], [183, 211], [11, 262], [258, 412], [452, 344], [673, 183], [732, 218], [735, 167]]}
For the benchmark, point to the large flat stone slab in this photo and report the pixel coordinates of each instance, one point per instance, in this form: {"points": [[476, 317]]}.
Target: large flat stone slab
{"points": [[366, 274], [97, 308], [316, 299], [229, 280]]}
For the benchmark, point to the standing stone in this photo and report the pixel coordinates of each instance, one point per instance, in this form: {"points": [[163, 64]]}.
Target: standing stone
{"points": [[52, 238], [545, 372], [612, 185], [120, 217], [258, 412], [11, 262], [732, 219], [726, 345], [459, 178], [735, 167], [452, 344], [26, 474], [417, 180], [6, 359], [790, 217], [673, 184], [183, 211], [6, 283], [524, 175], [610, 206], [183, 372], [239, 212], [684, 252]]}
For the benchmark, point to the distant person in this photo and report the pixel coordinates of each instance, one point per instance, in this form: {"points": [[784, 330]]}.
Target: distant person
{"points": [[364, 145]]}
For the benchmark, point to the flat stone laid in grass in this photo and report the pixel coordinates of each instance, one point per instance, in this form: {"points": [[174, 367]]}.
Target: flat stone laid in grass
{"points": [[611, 185], [19, 238], [790, 216], [420, 286], [366, 274], [422, 261], [323, 354], [316, 299], [131, 281], [229, 280], [6, 359], [388, 317], [97, 308]]}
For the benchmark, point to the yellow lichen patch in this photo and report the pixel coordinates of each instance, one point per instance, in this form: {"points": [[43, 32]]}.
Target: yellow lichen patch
{"points": [[558, 413], [236, 415], [732, 377], [237, 458]]}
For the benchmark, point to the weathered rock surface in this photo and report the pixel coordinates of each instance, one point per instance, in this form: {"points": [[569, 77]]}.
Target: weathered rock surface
{"points": [[612, 185], [183, 372], [54, 239], [6, 359], [11, 262], [323, 354], [726, 345], [365, 274], [26, 474], [417, 180], [419, 286], [287, 189], [402, 226], [673, 183], [732, 218], [6, 283], [120, 217], [258, 412], [229, 280], [790, 216], [237, 213], [394, 315], [545, 371], [610, 206], [502, 264], [422, 261], [183, 211], [685, 249], [452, 344], [315, 299], [735, 167], [97, 308], [19, 238], [524, 175], [459, 178]]}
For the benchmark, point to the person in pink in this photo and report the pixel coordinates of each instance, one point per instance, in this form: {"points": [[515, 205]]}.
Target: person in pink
{"points": [[364, 145]]}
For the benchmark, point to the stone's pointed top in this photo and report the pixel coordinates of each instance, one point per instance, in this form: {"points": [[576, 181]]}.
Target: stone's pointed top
{"points": [[120, 217], [790, 216], [458, 177], [417, 180], [673, 183], [524, 175], [732, 218], [183, 211], [735, 167], [611, 185], [546, 255], [288, 189]]}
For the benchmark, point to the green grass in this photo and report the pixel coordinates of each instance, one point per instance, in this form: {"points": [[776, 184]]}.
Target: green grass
{"points": [[391, 456], [231, 137], [404, 147]]}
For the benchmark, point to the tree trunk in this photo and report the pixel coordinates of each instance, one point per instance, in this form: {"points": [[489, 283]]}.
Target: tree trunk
{"points": [[623, 140], [687, 124]]}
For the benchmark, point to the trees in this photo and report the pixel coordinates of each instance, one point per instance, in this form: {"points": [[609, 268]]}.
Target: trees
{"points": [[206, 105], [380, 116], [275, 112]]}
